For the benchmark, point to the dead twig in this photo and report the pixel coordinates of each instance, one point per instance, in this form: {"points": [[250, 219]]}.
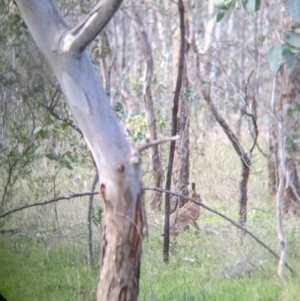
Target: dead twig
{"points": [[67, 197], [155, 142]]}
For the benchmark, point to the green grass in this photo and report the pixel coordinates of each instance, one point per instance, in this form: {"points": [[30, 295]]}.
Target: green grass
{"points": [[202, 279], [31, 270], [42, 269]]}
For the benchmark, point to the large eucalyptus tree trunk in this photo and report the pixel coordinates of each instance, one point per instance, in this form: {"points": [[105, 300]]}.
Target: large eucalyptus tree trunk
{"points": [[117, 163]]}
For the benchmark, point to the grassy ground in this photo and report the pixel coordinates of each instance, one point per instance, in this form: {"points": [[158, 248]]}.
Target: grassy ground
{"points": [[34, 270], [46, 260], [209, 266]]}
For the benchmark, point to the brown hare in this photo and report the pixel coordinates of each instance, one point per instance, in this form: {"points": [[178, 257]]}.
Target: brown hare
{"points": [[187, 214]]}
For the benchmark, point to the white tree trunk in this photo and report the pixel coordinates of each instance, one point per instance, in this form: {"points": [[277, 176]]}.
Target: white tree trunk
{"points": [[281, 237], [118, 164]]}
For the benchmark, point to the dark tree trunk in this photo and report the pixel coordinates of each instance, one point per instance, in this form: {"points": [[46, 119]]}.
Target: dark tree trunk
{"points": [[273, 176], [173, 133], [244, 190], [181, 167]]}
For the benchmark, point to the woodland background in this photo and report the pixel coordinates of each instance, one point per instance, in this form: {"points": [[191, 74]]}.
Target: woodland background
{"points": [[238, 124]]}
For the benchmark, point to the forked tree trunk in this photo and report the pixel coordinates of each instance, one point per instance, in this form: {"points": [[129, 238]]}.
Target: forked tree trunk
{"points": [[245, 158], [117, 163]]}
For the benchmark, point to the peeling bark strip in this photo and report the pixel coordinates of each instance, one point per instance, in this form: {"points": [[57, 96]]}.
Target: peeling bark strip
{"points": [[117, 163], [120, 268]]}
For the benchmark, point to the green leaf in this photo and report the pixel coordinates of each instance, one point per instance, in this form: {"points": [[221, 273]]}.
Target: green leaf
{"points": [[252, 6], [294, 110], [5, 150], [275, 57], [220, 4], [67, 164], [118, 107], [39, 89], [292, 38], [84, 11], [224, 10], [64, 126], [44, 134], [52, 155], [140, 136], [40, 133], [288, 56], [293, 8], [69, 155], [294, 50], [74, 142], [24, 96], [220, 14]]}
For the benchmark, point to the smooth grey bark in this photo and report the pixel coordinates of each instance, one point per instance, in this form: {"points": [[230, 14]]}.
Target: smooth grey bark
{"points": [[117, 163], [280, 232]]}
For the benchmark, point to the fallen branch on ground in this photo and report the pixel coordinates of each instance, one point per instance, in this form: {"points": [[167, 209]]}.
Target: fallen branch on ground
{"points": [[225, 217]]}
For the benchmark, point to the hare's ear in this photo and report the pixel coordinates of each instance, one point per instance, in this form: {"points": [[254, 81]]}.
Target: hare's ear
{"points": [[194, 187], [191, 188]]}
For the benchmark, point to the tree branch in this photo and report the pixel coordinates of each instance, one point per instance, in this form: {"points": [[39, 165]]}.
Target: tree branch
{"points": [[10, 172], [69, 122], [252, 114], [156, 142], [87, 30], [67, 197]]}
